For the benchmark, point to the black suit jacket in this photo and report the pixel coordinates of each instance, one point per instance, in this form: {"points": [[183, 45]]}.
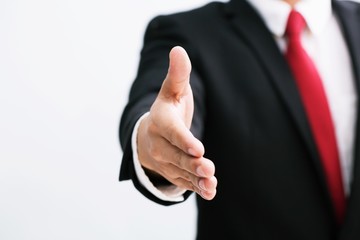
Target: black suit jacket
{"points": [[250, 118]]}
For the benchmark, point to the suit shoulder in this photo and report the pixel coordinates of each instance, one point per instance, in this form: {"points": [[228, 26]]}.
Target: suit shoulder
{"points": [[210, 9], [349, 5], [203, 14]]}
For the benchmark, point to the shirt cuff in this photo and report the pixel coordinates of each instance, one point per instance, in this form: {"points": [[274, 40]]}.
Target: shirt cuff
{"points": [[169, 193]]}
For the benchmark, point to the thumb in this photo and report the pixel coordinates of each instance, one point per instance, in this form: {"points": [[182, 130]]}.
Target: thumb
{"points": [[178, 76]]}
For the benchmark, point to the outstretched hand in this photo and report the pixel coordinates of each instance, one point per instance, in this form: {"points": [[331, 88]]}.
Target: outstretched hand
{"points": [[165, 144]]}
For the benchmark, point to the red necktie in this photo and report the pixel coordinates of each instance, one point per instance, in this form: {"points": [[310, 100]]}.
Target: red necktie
{"points": [[317, 110]]}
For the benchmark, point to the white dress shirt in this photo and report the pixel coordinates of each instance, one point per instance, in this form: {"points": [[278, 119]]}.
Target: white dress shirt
{"points": [[324, 42]]}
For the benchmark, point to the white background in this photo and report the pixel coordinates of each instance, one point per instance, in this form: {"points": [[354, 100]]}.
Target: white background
{"points": [[65, 70]]}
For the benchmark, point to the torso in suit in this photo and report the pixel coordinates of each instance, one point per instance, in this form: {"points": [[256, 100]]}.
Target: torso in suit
{"points": [[250, 118]]}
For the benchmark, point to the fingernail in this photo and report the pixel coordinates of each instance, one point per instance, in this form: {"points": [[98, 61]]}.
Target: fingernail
{"points": [[202, 185], [200, 172], [202, 194], [191, 152]]}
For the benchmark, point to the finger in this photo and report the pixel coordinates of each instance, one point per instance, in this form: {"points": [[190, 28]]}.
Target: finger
{"points": [[174, 130], [173, 163], [208, 195], [177, 79], [205, 187], [208, 184], [164, 151], [181, 137], [177, 176]]}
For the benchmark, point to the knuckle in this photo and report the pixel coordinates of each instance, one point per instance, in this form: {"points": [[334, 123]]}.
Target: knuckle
{"points": [[152, 128], [154, 152]]}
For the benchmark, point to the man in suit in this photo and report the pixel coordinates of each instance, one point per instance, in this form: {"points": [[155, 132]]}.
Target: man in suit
{"points": [[231, 102]]}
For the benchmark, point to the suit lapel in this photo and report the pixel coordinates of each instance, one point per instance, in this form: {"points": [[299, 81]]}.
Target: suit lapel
{"points": [[349, 19], [251, 28]]}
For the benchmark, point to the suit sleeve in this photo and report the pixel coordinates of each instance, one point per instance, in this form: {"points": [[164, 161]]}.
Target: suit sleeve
{"points": [[162, 34]]}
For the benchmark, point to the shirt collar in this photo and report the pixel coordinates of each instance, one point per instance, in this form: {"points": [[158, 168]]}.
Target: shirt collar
{"points": [[275, 14]]}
